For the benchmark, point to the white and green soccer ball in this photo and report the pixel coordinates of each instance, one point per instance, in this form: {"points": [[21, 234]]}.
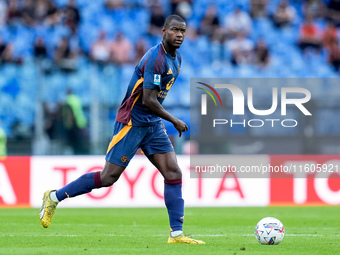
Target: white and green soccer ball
{"points": [[269, 231]]}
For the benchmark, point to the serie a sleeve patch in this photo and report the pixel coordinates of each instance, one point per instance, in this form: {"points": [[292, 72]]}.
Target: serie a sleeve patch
{"points": [[157, 79]]}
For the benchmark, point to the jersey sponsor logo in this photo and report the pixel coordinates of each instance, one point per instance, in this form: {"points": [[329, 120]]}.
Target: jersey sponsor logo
{"points": [[170, 71], [162, 94], [157, 79]]}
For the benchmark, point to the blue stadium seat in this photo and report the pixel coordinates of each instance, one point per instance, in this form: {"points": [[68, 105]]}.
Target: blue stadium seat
{"points": [[88, 33], [126, 74], [7, 108], [25, 108]]}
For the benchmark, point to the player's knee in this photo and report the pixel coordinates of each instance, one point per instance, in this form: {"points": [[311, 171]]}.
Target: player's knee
{"points": [[109, 179], [173, 173], [110, 174]]}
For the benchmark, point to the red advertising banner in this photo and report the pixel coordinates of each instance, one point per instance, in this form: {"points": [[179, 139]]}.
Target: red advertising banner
{"points": [[312, 180], [294, 180], [15, 181]]}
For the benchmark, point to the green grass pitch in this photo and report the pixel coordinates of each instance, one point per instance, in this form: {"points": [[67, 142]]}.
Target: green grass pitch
{"points": [[227, 230]]}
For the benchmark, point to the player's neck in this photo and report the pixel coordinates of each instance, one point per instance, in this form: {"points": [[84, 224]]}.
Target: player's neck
{"points": [[169, 49]]}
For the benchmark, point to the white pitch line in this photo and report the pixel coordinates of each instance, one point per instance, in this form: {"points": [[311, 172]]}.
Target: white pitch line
{"points": [[63, 224], [304, 235], [99, 235], [311, 235], [159, 235]]}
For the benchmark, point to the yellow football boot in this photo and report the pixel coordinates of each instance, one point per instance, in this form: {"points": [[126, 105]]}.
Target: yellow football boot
{"points": [[184, 239], [47, 209]]}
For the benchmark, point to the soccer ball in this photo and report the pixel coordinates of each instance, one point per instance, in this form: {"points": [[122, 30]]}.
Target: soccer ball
{"points": [[269, 231]]}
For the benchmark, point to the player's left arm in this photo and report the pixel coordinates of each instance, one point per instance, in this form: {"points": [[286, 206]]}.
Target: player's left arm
{"points": [[149, 100]]}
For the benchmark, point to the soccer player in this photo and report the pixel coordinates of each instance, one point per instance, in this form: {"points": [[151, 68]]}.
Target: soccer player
{"points": [[138, 125]]}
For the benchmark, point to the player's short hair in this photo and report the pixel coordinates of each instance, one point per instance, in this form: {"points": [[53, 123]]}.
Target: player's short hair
{"points": [[171, 18]]}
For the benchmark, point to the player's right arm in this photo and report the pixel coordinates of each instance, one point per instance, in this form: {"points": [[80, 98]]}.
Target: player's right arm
{"points": [[149, 100]]}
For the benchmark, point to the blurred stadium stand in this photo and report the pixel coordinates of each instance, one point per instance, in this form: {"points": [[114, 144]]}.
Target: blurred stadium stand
{"points": [[27, 80]]}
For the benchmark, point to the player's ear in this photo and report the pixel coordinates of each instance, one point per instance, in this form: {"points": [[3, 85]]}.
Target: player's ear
{"points": [[163, 30]]}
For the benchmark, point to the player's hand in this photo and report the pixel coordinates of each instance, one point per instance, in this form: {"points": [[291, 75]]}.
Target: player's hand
{"points": [[180, 126]]}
